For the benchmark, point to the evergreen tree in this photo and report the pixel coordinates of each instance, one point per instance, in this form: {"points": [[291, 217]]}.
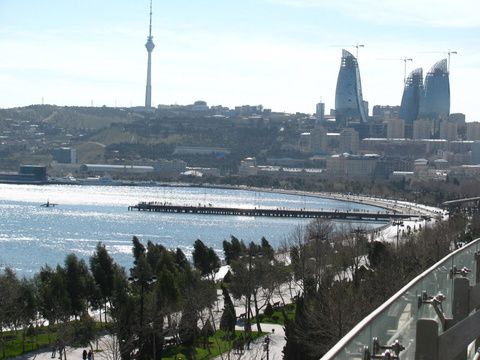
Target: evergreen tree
{"points": [[205, 259], [123, 314], [268, 310], [77, 278], [138, 249], [181, 259], [233, 249], [53, 300], [187, 328], [266, 249], [294, 349], [229, 317], [101, 267]]}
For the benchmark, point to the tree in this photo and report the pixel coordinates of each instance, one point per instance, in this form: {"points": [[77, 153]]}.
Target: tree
{"points": [[205, 259], [26, 307], [229, 317], [10, 290], [266, 249], [206, 332], [77, 278], [233, 249], [77, 333], [268, 310], [251, 275], [188, 329], [123, 314], [54, 303], [181, 259], [101, 267]]}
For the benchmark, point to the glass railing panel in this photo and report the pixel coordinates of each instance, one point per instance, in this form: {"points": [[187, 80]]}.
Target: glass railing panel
{"points": [[435, 282], [397, 321], [355, 348], [466, 259]]}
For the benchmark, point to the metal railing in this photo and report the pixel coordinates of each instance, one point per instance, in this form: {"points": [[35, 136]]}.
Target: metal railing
{"points": [[421, 319]]}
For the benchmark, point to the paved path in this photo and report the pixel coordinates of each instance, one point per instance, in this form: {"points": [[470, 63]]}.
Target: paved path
{"points": [[46, 354], [257, 350]]}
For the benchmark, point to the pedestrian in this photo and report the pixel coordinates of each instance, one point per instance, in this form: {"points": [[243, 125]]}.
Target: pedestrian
{"points": [[84, 354], [54, 351], [90, 355]]}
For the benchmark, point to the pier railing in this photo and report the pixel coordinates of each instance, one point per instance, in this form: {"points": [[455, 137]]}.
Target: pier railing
{"points": [[432, 317]]}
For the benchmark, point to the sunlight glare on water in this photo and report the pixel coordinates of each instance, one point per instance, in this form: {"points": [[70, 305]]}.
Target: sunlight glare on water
{"points": [[32, 236]]}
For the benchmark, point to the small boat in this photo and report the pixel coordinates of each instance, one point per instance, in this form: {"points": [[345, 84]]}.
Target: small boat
{"points": [[49, 204]]}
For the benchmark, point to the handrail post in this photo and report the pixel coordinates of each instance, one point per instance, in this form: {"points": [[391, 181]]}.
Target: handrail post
{"points": [[426, 340], [477, 280], [461, 306]]}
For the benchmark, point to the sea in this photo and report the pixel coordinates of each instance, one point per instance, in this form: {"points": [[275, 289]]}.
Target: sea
{"points": [[32, 235]]}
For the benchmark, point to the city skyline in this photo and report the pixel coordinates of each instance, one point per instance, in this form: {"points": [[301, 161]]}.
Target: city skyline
{"points": [[283, 54]]}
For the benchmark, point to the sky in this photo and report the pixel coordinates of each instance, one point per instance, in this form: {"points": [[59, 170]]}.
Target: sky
{"points": [[283, 54]]}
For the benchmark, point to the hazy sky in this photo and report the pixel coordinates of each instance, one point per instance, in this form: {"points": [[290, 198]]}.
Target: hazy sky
{"points": [[284, 54]]}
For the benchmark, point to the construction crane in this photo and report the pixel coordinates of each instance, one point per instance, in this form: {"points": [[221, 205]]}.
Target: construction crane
{"points": [[356, 46], [449, 52], [404, 59]]}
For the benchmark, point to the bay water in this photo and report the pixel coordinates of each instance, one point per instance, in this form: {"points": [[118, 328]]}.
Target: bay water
{"points": [[32, 235]]}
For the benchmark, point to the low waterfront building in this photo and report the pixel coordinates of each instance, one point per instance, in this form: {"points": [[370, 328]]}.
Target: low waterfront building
{"points": [[202, 171], [27, 174], [104, 169], [248, 167], [349, 141], [65, 155], [347, 165], [200, 150]]}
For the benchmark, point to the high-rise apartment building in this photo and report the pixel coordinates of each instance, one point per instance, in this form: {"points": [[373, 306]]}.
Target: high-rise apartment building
{"points": [[395, 128], [320, 113], [473, 131], [422, 129], [448, 130]]}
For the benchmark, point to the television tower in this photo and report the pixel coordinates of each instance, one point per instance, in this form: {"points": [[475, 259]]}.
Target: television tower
{"points": [[149, 45]]}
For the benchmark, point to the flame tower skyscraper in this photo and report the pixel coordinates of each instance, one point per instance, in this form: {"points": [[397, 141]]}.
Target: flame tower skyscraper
{"points": [[349, 104], [149, 45]]}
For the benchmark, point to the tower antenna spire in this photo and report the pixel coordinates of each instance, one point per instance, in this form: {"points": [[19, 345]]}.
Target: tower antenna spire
{"points": [[150, 28]]}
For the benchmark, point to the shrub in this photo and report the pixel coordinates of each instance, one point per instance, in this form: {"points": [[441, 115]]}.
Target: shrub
{"points": [[268, 310]]}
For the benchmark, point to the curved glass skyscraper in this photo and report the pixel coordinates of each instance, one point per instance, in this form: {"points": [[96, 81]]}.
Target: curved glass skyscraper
{"points": [[435, 103], [349, 104], [412, 96]]}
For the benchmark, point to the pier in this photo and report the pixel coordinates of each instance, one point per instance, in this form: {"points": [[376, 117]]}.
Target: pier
{"points": [[270, 212]]}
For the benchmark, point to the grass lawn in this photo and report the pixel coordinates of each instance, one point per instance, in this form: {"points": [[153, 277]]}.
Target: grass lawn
{"points": [[12, 345], [218, 345], [277, 316]]}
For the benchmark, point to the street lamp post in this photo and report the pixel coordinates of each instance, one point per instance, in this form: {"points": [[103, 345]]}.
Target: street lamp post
{"points": [[266, 345], [398, 223]]}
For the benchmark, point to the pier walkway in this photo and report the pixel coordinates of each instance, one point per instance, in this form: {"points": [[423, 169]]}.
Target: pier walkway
{"points": [[271, 212]]}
